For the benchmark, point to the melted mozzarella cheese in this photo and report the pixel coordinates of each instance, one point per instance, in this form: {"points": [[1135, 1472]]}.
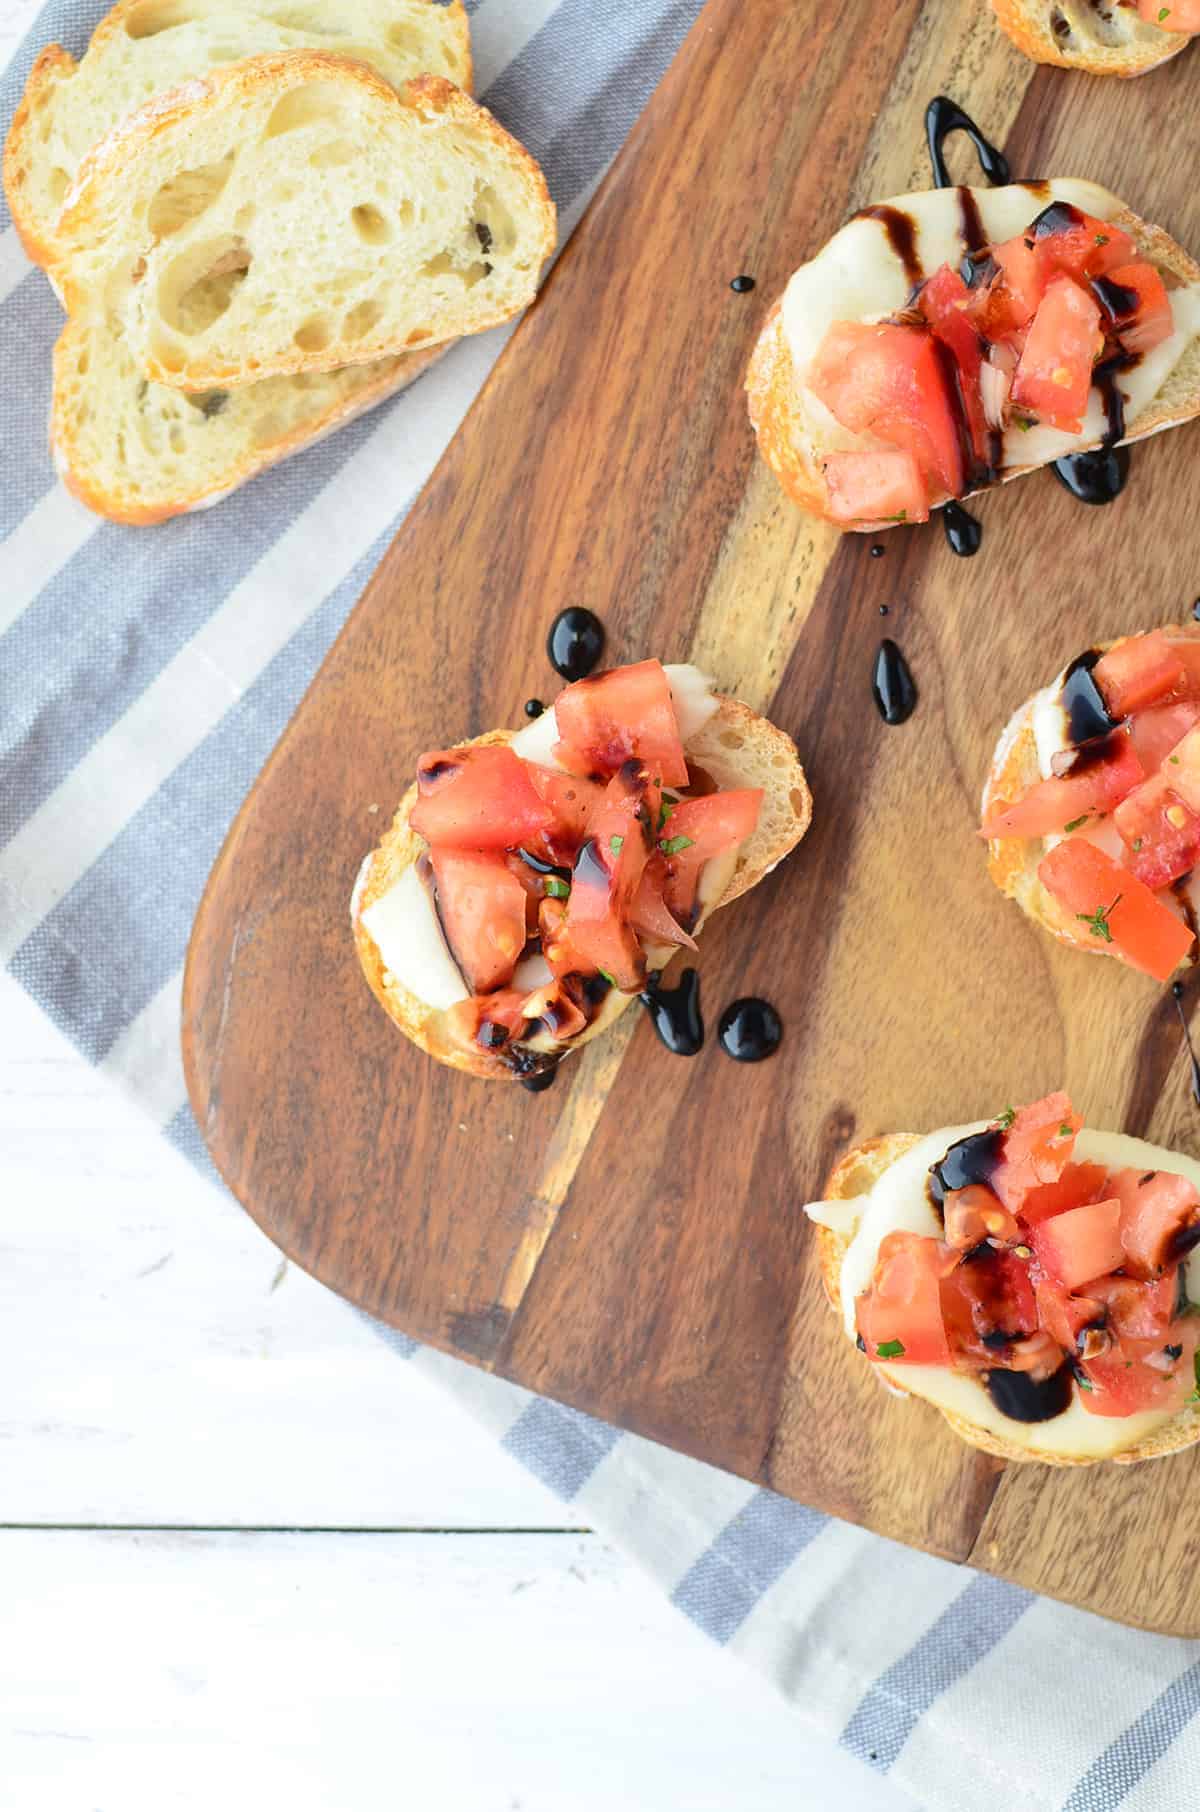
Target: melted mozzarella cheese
{"points": [[859, 276], [404, 923], [899, 1202]]}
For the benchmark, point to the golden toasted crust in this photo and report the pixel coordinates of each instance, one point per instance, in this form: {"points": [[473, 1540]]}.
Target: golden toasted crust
{"points": [[49, 67], [1013, 861], [788, 448], [737, 747], [1121, 44], [854, 1175]]}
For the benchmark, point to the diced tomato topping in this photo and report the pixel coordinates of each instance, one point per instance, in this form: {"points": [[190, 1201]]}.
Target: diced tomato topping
{"points": [[650, 915], [1136, 307], [875, 487], [1143, 1375], [1178, 15], [1187, 652], [477, 798], [890, 381], [1080, 1244], [1065, 239], [1079, 1183], [609, 717], [1010, 301], [1037, 1148], [1160, 1219], [1161, 834], [900, 1316], [573, 802], [1089, 787], [481, 904], [694, 832], [606, 877], [1119, 912], [1138, 1309], [988, 1297], [1155, 733], [944, 300], [973, 1214], [1064, 1316], [1054, 375], [1182, 769], [1136, 672]]}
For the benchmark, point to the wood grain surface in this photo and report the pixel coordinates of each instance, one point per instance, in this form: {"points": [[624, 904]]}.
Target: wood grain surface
{"points": [[632, 1240]]}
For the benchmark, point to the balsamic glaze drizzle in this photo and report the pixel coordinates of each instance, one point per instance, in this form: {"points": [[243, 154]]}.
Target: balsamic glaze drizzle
{"points": [[534, 707], [742, 285], [944, 116], [575, 642], [749, 1030], [901, 232], [540, 1080], [964, 532], [1083, 703], [1189, 1047], [1097, 477], [1018, 1396], [892, 684], [675, 1013], [970, 1160]]}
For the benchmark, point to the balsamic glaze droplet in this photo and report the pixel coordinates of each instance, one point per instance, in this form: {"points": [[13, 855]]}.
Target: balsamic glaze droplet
{"points": [[883, 609], [970, 1160], [675, 1013], [944, 116], [1094, 477], [534, 707], [893, 685], [1189, 1047], [540, 1080], [1017, 1396], [575, 642], [964, 532], [1083, 702], [877, 550], [749, 1030], [742, 285]]}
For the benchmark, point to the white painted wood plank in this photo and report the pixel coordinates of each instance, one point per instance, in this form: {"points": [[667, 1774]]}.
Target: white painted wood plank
{"points": [[352, 1673], [156, 1367]]}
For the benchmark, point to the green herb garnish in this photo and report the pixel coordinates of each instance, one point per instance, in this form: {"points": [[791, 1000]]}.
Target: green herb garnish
{"points": [[672, 845], [610, 979], [891, 1349], [1137, 844], [1101, 238], [1005, 1120], [900, 516], [1097, 922], [1076, 822], [557, 890], [1024, 423], [1174, 760], [1065, 1130], [1164, 12], [664, 812], [616, 844], [1084, 1383]]}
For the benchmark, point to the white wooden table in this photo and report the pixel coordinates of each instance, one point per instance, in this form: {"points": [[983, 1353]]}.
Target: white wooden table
{"points": [[248, 1558]]}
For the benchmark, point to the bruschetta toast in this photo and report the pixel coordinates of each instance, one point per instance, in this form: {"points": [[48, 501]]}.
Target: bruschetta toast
{"points": [[1091, 808], [1126, 38], [948, 340], [534, 882], [1029, 1277]]}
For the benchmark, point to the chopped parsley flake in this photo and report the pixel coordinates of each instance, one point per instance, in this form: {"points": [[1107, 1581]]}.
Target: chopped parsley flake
{"points": [[1101, 238], [610, 979], [900, 516], [1164, 12], [1005, 1120], [1065, 1130], [1075, 823], [664, 812], [891, 1349], [671, 846], [557, 890], [1137, 844], [1097, 922], [1174, 760], [616, 844]]}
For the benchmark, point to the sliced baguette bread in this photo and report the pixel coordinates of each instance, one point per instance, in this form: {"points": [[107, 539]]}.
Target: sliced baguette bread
{"points": [[737, 747], [1013, 861], [1079, 34], [147, 47], [295, 213], [795, 433], [138, 452], [854, 1176]]}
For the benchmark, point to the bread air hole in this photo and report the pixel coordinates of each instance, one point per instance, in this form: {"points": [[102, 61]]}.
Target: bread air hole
{"points": [[444, 264], [154, 16], [58, 183], [334, 156], [314, 334], [361, 319], [490, 212], [186, 196], [405, 38], [313, 104], [197, 288], [370, 224]]}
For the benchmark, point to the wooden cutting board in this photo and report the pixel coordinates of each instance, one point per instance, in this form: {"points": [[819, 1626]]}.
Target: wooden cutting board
{"points": [[632, 1241]]}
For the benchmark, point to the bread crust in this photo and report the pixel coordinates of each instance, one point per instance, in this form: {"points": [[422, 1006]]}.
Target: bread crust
{"points": [[54, 64], [788, 450], [237, 85], [760, 743], [1029, 23], [1013, 861], [853, 1175]]}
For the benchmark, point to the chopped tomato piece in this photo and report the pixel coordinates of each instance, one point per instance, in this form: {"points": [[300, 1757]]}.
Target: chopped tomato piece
{"points": [[875, 487], [481, 905], [983, 1298], [1078, 1184], [1090, 786], [627, 712], [649, 915], [1138, 1309], [1068, 240], [1161, 834], [1055, 371], [1187, 652], [694, 832], [1067, 1317], [890, 381], [1080, 1244], [1178, 15], [1182, 769], [900, 1316], [1136, 672], [1136, 306], [606, 877], [477, 798], [1143, 1376], [1155, 733], [944, 301], [1118, 911], [1010, 301], [973, 1214], [572, 802], [1160, 1219], [1037, 1148]]}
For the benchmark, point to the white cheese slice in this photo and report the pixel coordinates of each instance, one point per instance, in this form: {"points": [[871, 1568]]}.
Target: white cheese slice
{"points": [[898, 1202], [859, 276]]}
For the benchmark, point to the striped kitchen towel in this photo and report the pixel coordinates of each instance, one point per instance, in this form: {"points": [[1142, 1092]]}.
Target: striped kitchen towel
{"points": [[145, 676]]}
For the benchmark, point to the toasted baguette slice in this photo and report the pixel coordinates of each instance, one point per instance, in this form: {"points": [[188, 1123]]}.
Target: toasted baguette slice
{"points": [[1078, 34], [737, 747], [795, 433], [294, 213], [855, 1175], [1013, 861], [138, 452], [146, 47]]}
